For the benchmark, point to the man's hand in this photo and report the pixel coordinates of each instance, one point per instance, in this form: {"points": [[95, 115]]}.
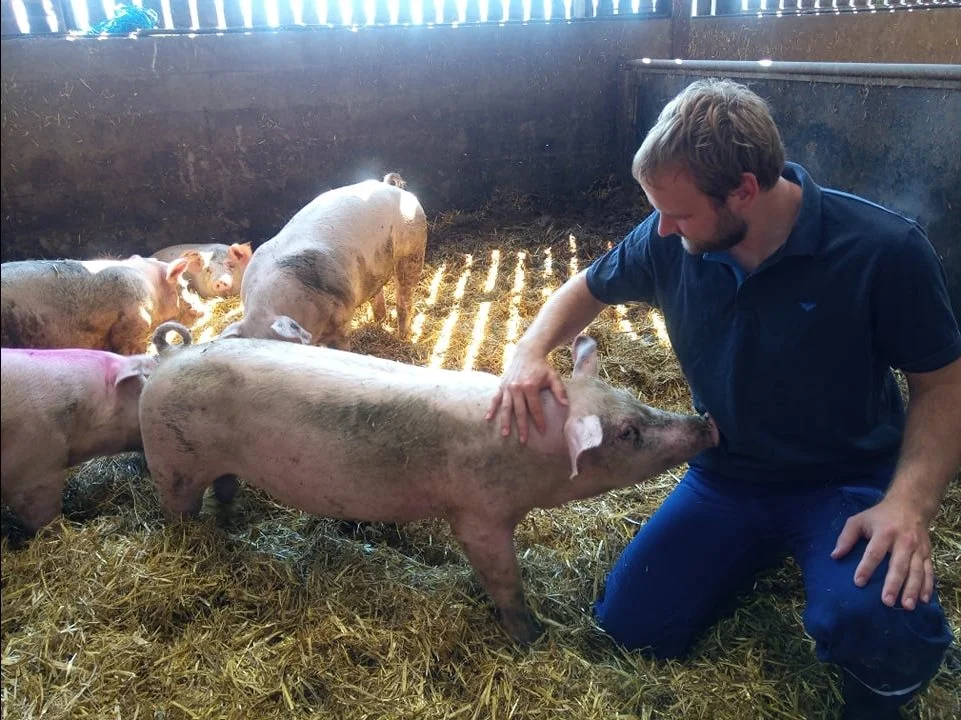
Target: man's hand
{"points": [[892, 526], [519, 393]]}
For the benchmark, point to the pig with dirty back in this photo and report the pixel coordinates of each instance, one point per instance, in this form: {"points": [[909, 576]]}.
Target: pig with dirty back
{"points": [[95, 304], [352, 436], [61, 408], [213, 269], [335, 254]]}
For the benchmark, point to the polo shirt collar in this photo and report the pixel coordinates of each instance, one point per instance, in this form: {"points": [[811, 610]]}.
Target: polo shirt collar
{"points": [[805, 238]]}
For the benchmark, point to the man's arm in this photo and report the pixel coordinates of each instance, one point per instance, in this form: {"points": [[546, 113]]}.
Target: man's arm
{"points": [[930, 456], [568, 311]]}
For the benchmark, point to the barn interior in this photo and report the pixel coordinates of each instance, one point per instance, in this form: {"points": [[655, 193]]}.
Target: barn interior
{"points": [[514, 124]]}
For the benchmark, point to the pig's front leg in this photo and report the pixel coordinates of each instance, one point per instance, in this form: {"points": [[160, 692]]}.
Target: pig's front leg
{"points": [[37, 498], [490, 550], [380, 307]]}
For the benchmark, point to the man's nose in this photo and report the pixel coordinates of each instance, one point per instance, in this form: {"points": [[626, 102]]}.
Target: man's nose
{"points": [[666, 227]]}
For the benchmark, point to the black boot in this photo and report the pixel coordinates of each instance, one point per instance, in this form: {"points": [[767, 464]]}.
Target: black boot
{"points": [[861, 703]]}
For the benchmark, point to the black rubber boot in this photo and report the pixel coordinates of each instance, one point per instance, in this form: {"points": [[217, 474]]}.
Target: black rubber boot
{"points": [[860, 703]]}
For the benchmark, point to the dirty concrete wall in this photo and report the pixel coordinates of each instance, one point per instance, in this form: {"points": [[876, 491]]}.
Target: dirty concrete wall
{"points": [[123, 145], [893, 141], [928, 36]]}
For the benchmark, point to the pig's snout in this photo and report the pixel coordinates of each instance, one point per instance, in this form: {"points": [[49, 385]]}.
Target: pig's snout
{"points": [[694, 433], [224, 284], [715, 435]]}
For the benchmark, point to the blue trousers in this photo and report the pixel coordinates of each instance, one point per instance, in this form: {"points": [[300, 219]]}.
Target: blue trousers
{"points": [[712, 535]]}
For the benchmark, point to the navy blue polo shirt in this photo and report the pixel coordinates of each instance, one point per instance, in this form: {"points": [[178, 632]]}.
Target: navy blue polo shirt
{"points": [[793, 360]]}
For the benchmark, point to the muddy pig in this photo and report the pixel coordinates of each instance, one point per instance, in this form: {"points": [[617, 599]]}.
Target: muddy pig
{"points": [[61, 408], [95, 304], [213, 269], [344, 435], [334, 255]]}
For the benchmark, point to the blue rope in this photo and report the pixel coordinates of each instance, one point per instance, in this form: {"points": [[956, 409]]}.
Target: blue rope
{"points": [[126, 19]]}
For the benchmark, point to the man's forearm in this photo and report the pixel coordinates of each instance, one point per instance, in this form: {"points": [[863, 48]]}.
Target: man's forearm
{"points": [[566, 313], [931, 450]]}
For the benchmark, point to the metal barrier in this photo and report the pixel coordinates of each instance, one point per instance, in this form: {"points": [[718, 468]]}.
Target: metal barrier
{"points": [[854, 126], [716, 8]]}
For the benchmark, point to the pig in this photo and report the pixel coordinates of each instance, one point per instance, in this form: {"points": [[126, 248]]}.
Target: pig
{"points": [[350, 436], [61, 408], [213, 269], [335, 254], [95, 304]]}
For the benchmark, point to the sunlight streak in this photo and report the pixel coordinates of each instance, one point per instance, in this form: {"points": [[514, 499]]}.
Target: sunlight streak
{"points": [[447, 331], [572, 244], [478, 336], [443, 341], [623, 324], [417, 327], [548, 274], [464, 277], [657, 320], [514, 318], [492, 272]]}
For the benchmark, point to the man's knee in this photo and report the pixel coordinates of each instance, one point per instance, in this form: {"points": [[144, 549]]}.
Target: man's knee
{"points": [[631, 627], [889, 650]]}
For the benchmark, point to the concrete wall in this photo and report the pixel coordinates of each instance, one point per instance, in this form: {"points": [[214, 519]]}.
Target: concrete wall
{"points": [[929, 36], [122, 144]]}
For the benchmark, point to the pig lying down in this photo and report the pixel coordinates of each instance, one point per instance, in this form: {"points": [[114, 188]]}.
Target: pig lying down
{"points": [[61, 408], [213, 269], [351, 436], [334, 255], [96, 304]]}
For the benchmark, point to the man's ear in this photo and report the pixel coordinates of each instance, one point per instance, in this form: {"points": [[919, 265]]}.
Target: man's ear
{"points": [[745, 194]]}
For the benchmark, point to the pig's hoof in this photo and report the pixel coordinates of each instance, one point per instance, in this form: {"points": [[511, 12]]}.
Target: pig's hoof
{"points": [[225, 488], [523, 628]]}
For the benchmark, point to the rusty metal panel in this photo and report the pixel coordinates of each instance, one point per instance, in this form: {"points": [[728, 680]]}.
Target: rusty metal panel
{"points": [[889, 133]]}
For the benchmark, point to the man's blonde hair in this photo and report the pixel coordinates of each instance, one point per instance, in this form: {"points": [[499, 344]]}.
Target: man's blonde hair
{"points": [[715, 130]]}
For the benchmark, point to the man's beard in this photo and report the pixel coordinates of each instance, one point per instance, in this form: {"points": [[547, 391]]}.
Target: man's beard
{"points": [[730, 231]]}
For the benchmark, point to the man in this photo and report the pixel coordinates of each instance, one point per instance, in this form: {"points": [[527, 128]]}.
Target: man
{"points": [[787, 305]]}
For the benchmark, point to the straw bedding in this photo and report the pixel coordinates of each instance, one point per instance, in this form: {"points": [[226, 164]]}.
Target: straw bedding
{"points": [[259, 611]]}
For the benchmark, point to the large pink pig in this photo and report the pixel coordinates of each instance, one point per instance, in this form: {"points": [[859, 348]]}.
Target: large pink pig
{"points": [[334, 255], [351, 436], [96, 304], [60, 408], [213, 269]]}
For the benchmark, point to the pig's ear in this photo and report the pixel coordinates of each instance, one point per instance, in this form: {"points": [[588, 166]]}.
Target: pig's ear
{"points": [[582, 434], [176, 269], [289, 330], [195, 262], [240, 252], [584, 352], [135, 367], [231, 331]]}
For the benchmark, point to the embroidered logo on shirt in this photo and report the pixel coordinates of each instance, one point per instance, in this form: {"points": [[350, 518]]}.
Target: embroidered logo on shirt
{"points": [[808, 306]]}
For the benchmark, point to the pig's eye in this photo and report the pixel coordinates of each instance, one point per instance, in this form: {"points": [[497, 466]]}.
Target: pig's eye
{"points": [[629, 433]]}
